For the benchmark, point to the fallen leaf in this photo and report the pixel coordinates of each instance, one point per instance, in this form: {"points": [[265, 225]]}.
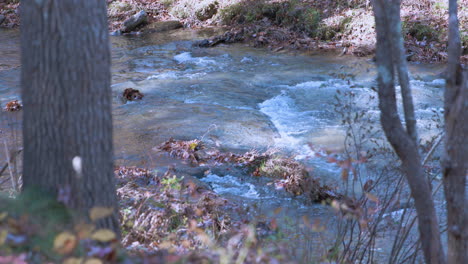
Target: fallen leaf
{"points": [[3, 236], [103, 235], [64, 243], [73, 261], [93, 261], [3, 216]]}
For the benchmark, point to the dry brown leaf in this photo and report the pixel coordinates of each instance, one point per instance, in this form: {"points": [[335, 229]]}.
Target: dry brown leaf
{"points": [[372, 197], [64, 243], [3, 236], [3, 215]]}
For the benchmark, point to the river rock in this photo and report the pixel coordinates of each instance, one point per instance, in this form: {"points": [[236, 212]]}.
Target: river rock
{"points": [[134, 21], [163, 26], [208, 11], [232, 36], [2, 18], [195, 184]]}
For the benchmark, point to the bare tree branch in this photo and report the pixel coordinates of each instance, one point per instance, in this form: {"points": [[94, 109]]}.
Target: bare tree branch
{"points": [[401, 67], [386, 15]]}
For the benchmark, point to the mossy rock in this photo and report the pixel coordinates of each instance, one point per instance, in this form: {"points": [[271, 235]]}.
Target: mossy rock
{"points": [[420, 31], [332, 27], [326, 32], [208, 11], [163, 26]]}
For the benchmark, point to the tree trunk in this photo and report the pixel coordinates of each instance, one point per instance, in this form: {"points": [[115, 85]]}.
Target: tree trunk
{"points": [[403, 142], [401, 67], [65, 80], [455, 161]]}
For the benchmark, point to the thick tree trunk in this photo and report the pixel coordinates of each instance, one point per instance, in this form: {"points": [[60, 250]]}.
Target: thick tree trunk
{"points": [[65, 80], [455, 161], [404, 143]]}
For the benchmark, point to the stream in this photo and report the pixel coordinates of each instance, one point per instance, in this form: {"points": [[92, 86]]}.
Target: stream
{"points": [[239, 98]]}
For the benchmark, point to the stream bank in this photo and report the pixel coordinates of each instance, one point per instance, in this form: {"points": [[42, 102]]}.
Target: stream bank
{"points": [[346, 27]]}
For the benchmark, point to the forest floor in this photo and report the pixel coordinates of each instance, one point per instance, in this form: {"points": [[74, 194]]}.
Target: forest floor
{"points": [[346, 27]]}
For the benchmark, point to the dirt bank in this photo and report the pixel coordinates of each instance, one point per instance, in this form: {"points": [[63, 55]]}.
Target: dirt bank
{"points": [[346, 27]]}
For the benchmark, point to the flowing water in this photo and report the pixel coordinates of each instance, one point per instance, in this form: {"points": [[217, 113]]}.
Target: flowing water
{"points": [[239, 98]]}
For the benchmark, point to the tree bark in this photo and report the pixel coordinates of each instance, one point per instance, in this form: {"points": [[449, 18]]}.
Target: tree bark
{"points": [[401, 67], [386, 14], [455, 161], [65, 81]]}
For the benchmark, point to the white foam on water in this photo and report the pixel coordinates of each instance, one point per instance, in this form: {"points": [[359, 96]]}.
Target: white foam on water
{"points": [[164, 76], [308, 85], [438, 82], [231, 185], [288, 120], [204, 101], [175, 76], [246, 60], [186, 57]]}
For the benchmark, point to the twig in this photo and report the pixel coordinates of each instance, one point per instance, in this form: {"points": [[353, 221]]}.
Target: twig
{"points": [[429, 154], [13, 180], [6, 164]]}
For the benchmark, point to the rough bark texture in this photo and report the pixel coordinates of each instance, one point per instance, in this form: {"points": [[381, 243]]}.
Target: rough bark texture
{"points": [[403, 143], [65, 80], [455, 162]]}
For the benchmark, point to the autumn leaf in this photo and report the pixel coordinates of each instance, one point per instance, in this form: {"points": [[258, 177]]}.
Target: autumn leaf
{"points": [[64, 243], [73, 261], [103, 235], [363, 224], [274, 224], [193, 145], [3, 236], [344, 174], [93, 261], [98, 212], [372, 197], [3, 215], [278, 210]]}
